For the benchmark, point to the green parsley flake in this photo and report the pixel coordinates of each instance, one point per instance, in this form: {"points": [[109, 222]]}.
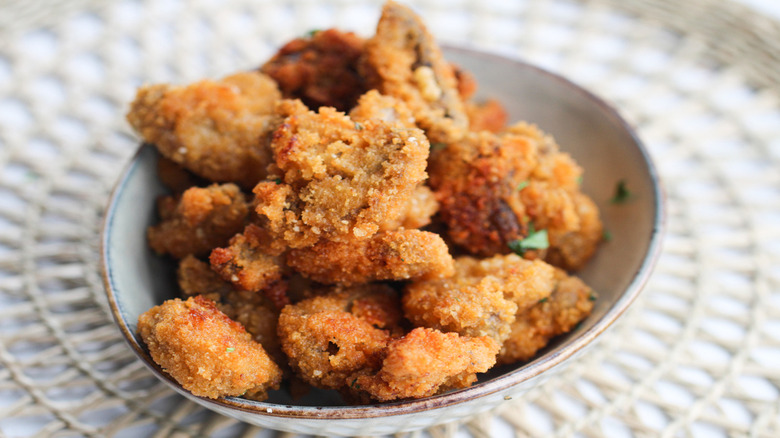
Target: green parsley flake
{"points": [[543, 300], [606, 236], [438, 146], [359, 126], [592, 297], [312, 32], [278, 181], [622, 194], [522, 185], [534, 240], [230, 349], [579, 180]]}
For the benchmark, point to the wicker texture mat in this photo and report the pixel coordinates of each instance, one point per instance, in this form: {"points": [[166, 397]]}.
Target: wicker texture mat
{"points": [[698, 354]]}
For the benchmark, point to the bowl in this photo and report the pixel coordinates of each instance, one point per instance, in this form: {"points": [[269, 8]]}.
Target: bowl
{"points": [[585, 126]]}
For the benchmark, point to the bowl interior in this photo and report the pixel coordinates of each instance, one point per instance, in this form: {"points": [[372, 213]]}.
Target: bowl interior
{"points": [[598, 139]]}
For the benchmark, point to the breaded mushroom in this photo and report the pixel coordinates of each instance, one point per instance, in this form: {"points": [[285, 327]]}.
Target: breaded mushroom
{"points": [[482, 298], [216, 129], [337, 179], [200, 220], [328, 338], [476, 181], [390, 255], [320, 69], [494, 190], [403, 60], [251, 261], [209, 354], [426, 362], [570, 302], [257, 312]]}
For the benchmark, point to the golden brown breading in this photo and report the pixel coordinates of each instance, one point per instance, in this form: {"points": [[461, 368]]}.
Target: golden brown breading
{"points": [[209, 354], [252, 262], [403, 60], [196, 277], [492, 188], [374, 105], [553, 201], [257, 312], [201, 219], [388, 255], [476, 182], [321, 69], [217, 130], [425, 362], [489, 115], [418, 212], [570, 302], [177, 178], [330, 337], [422, 204], [338, 179], [482, 298]]}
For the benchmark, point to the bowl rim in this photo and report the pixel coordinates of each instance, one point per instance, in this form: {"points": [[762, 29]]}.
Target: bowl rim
{"points": [[481, 389]]}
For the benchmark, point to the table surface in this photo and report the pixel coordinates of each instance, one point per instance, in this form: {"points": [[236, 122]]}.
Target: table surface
{"points": [[699, 352]]}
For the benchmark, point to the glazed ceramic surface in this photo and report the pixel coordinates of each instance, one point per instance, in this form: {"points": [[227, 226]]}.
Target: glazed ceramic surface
{"points": [[584, 126]]}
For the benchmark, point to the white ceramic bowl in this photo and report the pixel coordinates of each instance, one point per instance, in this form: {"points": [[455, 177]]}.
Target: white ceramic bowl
{"points": [[585, 126]]}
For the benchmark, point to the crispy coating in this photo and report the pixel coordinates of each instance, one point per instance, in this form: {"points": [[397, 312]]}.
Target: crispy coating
{"points": [[425, 362], [196, 277], [418, 212], [374, 105], [201, 219], [570, 302], [320, 70], [217, 130], [491, 188], [257, 312], [476, 182], [209, 354], [404, 61], [389, 255], [176, 178], [250, 262], [328, 338], [489, 115], [482, 298], [422, 204], [338, 179], [553, 201]]}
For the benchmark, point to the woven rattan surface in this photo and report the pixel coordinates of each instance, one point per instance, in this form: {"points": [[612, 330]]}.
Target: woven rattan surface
{"points": [[698, 354]]}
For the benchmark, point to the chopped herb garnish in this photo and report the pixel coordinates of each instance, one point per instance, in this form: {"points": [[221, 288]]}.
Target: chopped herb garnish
{"points": [[534, 240], [579, 180], [592, 297], [312, 32], [522, 185], [230, 349], [622, 194], [606, 236], [359, 126], [543, 300], [354, 384], [438, 145], [278, 181]]}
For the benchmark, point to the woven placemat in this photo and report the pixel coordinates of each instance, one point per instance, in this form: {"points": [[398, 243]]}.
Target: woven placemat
{"points": [[699, 352]]}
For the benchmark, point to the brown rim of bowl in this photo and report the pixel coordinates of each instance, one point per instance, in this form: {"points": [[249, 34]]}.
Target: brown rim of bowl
{"points": [[478, 390]]}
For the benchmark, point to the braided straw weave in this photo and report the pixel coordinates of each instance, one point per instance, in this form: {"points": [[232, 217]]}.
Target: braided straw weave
{"points": [[698, 354]]}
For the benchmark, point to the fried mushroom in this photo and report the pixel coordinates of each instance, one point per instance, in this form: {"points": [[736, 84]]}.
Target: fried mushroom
{"points": [[216, 129], [209, 354]]}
